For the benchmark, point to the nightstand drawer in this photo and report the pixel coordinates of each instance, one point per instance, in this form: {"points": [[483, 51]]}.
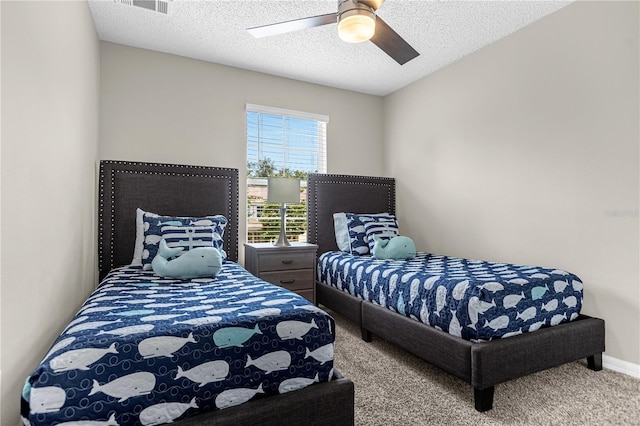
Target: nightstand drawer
{"points": [[291, 280], [307, 294], [281, 261]]}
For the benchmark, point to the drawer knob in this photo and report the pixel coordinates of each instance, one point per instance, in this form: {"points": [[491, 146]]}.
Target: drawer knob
{"points": [[287, 262], [287, 281]]}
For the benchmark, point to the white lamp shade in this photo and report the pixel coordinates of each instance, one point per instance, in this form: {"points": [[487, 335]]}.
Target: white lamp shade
{"points": [[283, 191]]}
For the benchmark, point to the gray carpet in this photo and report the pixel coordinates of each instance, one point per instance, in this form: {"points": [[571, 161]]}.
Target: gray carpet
{"points": [[394, 387]]}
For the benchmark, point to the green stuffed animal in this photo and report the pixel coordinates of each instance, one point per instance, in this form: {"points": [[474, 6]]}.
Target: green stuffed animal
{"points": [[396, 248], [197, 262]]}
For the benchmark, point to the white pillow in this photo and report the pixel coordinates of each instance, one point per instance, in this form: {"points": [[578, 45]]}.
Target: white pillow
{"points": [[341, 227], [137, 249], [342, 232]]}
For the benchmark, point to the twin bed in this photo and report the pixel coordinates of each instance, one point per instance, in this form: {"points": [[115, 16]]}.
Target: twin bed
{"points": [[146, 350], [483, 322]]}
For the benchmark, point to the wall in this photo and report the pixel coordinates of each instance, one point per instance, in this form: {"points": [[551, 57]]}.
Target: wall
{"points": [[50, 73], [527, 151], [166, 108]]}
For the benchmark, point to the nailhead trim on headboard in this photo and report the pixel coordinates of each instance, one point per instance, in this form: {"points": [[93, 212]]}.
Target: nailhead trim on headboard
{"points": [[114, 167], [342, 183]]}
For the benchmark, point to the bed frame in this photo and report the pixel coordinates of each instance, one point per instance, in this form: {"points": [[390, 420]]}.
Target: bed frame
{"points": [[199, 191], [483, 365]]}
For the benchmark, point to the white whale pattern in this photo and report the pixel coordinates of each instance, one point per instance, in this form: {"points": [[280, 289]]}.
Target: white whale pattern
{"points": [[127, 331], [90, 326], [454, 325], [294, 329], [111, 421], [527, 314], [430, 287], [322, 354], [511, 300], [232, 397], [262, 312], [460, 289], [47, 399], [559, 286], [211, 319], [551, 305], [80, 359], [126, 387], [273, 361], [498, 323], [289, 385], [441, 298], [208, 372], [163, 346], [165, 412]]}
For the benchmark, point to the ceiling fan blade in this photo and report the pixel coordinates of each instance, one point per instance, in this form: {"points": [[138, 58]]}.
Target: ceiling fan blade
{"points": [[392, 44], [294, 25], [373, 4]]}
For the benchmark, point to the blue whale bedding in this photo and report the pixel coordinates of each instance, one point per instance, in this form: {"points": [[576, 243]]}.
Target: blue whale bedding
{"points": [[472, 299], [144, 350]]}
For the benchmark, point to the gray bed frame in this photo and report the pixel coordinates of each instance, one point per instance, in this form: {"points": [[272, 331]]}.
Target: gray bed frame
{"points": [[483, 365], [199, 191]]}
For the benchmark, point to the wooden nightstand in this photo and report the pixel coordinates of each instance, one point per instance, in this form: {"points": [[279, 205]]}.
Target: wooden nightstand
{"points": [[293, 267]]}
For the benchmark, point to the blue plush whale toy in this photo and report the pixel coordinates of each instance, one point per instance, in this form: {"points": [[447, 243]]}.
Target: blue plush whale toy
{"points": [[197, 262], [396, 248]]}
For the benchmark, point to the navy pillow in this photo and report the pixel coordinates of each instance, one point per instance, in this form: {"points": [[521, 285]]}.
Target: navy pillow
{"points": [[385, 228], [357, 233], [155, 225]]}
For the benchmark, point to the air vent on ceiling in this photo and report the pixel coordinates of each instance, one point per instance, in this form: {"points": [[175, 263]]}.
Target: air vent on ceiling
{"points": [[160, 6]]}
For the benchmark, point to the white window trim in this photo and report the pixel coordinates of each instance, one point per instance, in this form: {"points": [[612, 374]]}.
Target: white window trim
{"points": [[287, 112]]}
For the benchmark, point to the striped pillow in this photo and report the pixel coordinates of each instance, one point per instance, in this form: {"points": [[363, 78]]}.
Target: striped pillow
{"points": [[385, 228], [190, 237], [357, 235], [154, 225]]}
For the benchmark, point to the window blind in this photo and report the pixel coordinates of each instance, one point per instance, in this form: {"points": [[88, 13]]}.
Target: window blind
{"points": [[281, 143]]}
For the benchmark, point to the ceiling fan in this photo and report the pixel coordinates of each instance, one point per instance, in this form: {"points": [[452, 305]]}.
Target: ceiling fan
{"points": [[357, 22]]}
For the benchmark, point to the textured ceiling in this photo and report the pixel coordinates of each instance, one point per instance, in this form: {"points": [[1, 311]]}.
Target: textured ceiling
{"points": [[215, 31]]}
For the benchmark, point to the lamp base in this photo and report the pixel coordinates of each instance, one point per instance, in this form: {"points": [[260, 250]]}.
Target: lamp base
{"points": [[282, 239]]}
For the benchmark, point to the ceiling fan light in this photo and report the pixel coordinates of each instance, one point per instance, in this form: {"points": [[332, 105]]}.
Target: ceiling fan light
{"points": [[356, 26]]}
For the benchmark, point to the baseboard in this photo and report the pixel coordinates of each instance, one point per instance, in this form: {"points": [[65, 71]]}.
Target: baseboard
{"points": [[621, 366]]}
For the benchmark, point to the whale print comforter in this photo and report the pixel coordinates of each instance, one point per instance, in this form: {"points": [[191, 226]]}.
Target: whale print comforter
{"points": [[144, 350], [472, 299]]}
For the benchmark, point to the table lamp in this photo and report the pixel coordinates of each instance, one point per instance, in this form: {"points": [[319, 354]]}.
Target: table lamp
{"points": [[284, 191]]}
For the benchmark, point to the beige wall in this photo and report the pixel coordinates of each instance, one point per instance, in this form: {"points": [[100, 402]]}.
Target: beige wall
{"points": [[527, 151], [166, 108], [50, 72]]}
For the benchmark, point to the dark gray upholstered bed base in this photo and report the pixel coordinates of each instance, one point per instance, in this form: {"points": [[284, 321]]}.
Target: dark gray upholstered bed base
{"points": [[483, 365], [330, 403], [199, 191]]}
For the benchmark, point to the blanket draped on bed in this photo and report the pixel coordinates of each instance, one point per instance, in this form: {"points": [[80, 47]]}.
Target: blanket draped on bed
{"points": [[472, 299], [144, 350]]}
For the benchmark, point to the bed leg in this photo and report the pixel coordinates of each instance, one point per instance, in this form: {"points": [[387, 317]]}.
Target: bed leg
{"points": [[594, 362], [366, 334], [483, 398]]}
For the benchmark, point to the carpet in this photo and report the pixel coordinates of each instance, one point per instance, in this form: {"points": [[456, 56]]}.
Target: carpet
{"points": [[394, 387]]}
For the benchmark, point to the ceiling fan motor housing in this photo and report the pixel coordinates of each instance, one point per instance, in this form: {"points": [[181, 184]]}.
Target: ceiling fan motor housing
{"points": [[356, 21]]}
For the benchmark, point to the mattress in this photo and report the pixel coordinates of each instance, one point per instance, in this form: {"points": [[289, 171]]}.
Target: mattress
{"points": [[472, 299], [144, 350]]}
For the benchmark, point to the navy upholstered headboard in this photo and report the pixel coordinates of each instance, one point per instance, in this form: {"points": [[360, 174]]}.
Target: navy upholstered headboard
{"points": [[167, 189], [328, 194]]}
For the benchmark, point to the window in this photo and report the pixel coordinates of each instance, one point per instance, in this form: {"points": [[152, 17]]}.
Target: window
{"points": [[281, 143]]}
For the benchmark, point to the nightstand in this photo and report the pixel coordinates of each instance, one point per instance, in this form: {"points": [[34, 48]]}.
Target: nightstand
{"points": [[292, 267]]}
